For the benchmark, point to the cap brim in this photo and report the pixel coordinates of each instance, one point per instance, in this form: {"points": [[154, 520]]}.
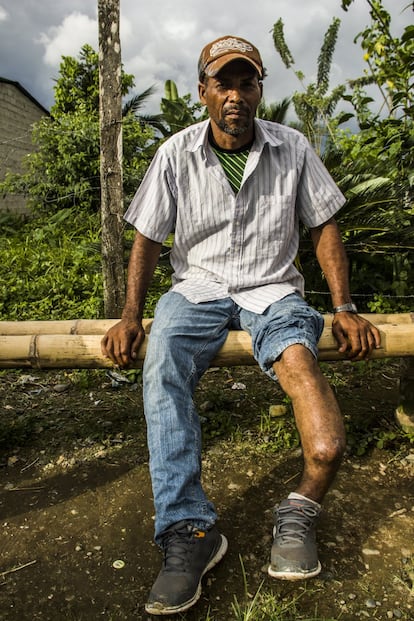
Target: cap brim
{"points": [[215, 66]]}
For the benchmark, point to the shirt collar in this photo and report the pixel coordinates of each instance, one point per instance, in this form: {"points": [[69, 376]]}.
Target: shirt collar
{"points": [[201, 137], [262, 136]]}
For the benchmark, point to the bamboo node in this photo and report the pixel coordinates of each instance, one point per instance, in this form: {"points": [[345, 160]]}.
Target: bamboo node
{"points": [[34, 352]]}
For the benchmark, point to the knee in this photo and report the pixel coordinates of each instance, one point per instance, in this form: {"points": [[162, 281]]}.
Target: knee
{"points": [[327, 452], [297, 371]]}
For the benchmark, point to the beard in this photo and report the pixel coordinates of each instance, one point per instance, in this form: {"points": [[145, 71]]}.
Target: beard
{"points": [[234, 129]]}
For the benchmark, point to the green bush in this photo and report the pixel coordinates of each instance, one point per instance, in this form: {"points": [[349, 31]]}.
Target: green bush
{"points": [[50, 268]]}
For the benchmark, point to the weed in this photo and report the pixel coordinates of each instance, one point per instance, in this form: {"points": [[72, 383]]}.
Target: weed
{"points": [[264, 606], [86, 378]]}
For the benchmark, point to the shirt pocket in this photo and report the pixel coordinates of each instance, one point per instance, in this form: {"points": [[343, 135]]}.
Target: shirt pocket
{"points": [[275, 220]]}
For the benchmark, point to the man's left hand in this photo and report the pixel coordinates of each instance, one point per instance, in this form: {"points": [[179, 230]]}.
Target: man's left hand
{"points": [[356, 336]]}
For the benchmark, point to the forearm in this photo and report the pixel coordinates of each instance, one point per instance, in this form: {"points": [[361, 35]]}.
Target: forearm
{"points": [[333, 261], [143, 260], [356, 336]]}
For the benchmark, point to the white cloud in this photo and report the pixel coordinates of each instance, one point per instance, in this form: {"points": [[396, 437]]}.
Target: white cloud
{"points": [[67, 39], [3, 14], [125, 29], [179, 29], [163, 39]]}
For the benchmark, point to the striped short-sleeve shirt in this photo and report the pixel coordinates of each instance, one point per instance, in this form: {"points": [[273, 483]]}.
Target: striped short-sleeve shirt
{"points": [[240, 245]]}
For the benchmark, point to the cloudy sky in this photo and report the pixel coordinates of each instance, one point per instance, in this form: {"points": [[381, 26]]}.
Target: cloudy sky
{"points": [[162, 39]]}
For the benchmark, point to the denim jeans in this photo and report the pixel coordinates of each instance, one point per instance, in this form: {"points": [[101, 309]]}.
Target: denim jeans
{"points": [[184, 339]]}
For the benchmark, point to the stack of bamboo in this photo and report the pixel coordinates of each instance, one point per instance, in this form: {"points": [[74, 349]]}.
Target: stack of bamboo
{"points": [[76, 344]]}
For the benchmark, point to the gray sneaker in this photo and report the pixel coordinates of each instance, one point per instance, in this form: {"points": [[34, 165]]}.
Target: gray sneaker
{"points": [[188, 554], [294, 555]]}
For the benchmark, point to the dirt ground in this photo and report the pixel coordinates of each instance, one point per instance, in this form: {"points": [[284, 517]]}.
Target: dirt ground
{"points": [[77, 516]]}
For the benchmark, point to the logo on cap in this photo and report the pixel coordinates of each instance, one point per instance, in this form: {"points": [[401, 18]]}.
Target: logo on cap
{"points": [[230, 45]]}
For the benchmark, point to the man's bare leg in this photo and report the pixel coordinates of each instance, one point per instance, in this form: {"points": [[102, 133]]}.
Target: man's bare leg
{"points": [[294, 553], [318, 419]]}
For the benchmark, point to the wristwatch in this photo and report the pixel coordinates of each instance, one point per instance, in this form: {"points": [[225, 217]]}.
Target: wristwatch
{"points": [[349, 308]]}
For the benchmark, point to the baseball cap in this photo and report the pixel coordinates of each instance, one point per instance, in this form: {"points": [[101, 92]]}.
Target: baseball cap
{"points": [[225, 49]]}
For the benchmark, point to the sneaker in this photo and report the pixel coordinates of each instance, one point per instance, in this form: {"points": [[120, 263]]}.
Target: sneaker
{"points": [[188, 554], [294, 555]]}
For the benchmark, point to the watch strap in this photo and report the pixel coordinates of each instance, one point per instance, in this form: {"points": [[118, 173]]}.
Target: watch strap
{"points": [[349, 308]]}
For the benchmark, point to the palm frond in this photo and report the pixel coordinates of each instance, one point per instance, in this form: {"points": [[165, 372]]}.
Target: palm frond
{"points": [[135, 103], [276, 111], [369, 186]]}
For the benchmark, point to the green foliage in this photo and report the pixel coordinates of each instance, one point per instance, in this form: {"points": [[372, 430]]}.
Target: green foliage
{"points": [[325, 56], [390, 59], [178, 112], [264, 606], [137, 148], [49, 269], [63, 171], [314, 106], [275, 111], [381, 304], [160, 284], [277, 434], [361, 438], [79, 82], [280, 44], [374, 167]]}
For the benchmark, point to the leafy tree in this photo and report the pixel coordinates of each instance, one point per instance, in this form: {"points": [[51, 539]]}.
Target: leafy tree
{"points": [[78, 82], [390, 59], [374, 167], [64, 170], [314, 106]]}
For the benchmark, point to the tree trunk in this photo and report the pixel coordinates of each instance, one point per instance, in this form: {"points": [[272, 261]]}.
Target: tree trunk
{"points": [[110, 123]]}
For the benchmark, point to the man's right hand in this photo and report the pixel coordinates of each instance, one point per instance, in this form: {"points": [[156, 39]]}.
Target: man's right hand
{"points": [[122, 342]]}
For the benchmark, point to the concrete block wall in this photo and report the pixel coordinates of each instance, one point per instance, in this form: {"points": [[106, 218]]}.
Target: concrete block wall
{"points": [[18, 112]]}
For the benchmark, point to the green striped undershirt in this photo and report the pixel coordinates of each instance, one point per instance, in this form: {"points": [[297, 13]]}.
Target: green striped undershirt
{"points": [[233, 163]]}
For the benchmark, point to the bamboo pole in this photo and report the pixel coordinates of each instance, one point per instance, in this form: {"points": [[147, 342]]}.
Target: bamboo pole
{"points": [[66, 326], [46, 351], [100, 326]]}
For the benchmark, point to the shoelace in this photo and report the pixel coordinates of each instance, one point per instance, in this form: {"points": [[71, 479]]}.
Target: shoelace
{"points": [[294, 521], [177, 543]]}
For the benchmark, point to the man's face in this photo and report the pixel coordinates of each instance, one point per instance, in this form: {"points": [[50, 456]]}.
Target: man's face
{"points": [[232, 97]]}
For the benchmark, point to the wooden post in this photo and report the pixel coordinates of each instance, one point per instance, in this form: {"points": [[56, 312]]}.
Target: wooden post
{"points": [[110, 124]]}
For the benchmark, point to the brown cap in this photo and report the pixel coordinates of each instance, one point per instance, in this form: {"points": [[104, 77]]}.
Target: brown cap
{"points": [[225, 49]]}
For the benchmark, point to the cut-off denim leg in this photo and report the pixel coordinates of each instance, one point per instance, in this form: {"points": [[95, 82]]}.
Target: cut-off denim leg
{"points": [[289, 321], [183, 340]]}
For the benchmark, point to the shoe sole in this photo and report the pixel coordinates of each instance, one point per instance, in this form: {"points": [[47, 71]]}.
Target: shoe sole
{"points": [[154, 609], [294, 575]]}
